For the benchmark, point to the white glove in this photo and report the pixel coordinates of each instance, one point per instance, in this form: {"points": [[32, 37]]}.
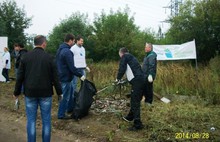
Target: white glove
{"points": [[82, 78], [150, 78], [60, 98], [88, 69]]}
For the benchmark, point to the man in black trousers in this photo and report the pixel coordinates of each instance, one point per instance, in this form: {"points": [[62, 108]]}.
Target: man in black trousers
{"points": [[149, 69], [129, 65]]}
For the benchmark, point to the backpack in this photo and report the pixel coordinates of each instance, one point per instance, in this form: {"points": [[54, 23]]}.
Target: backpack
{"points": [[83, 99]]}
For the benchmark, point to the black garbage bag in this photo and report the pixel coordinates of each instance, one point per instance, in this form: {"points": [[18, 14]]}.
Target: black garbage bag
{"points": [[83, 99]]}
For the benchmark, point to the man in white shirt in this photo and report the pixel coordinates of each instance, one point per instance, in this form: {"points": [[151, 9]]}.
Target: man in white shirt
{"points": [[79, 58], [7, 64]]}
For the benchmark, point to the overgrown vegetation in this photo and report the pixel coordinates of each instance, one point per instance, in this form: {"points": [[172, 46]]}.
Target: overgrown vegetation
{"points": [[194, 93], [188, 114], [173, 77]]}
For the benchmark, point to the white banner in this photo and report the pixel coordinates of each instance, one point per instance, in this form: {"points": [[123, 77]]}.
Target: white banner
{"points": [[3, 43], [176, 52]]}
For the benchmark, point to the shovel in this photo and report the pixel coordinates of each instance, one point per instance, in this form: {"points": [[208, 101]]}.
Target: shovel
{"points": [[163, 99], [102, 90]]}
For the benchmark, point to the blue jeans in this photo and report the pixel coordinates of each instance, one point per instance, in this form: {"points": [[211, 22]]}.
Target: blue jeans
{"points": [[63, 104], [73, 89], [31, 112]]}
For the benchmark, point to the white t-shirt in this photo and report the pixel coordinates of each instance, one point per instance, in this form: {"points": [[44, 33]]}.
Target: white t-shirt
{"points": [[79, 57], [6, 56], [129, 73]]}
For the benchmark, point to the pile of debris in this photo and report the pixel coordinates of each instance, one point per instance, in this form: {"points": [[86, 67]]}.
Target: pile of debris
{"points": [[109, 105]]}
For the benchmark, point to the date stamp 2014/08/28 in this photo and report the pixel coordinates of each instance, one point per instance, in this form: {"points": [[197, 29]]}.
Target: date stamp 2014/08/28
{"points": [[191, 135]]}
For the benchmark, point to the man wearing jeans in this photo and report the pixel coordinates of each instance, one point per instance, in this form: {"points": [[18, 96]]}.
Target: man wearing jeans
{"points": [[38, 73], [79, 59], [66, 71]]}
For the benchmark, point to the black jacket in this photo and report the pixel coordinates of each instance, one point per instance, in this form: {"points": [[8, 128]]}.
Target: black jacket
{"points": [[19, 57], [38, 73], [126, 61]]}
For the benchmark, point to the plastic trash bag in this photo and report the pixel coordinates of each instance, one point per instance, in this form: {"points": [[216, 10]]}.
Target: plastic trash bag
{"points": [[83, 99]]}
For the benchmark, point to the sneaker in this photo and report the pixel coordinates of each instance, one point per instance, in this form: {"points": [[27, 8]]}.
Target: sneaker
{"points": [[133, 128], [127, 119]]}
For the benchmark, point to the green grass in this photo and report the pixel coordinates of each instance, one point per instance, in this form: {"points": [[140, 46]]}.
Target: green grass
{"points": [[172, 79], [191, 113]]}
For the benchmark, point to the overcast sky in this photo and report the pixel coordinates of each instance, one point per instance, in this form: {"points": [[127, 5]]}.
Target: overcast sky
{"points": [[48, 13]]}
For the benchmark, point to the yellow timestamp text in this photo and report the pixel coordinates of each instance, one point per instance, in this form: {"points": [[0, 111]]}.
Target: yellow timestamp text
{"points": [[190, 135]]}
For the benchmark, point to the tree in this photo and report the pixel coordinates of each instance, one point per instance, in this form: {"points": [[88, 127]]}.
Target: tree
{"points": [[76, 24], [112, 32], [198, 20], [13, 22], [117, 30]]}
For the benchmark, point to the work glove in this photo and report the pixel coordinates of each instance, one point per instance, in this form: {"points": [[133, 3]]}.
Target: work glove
{"points": [[82, 78], [60, 98], [88, 69], [150, 78], [117, 81]]}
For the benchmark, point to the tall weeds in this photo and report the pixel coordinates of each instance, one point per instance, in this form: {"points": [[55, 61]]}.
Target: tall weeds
{"points": [[172, 78]]}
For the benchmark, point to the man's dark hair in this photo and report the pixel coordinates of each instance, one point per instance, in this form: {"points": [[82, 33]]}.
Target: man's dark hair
{"points": [[21, 45], [123, 50], [39, 40], [79, 37], [69, 37]]}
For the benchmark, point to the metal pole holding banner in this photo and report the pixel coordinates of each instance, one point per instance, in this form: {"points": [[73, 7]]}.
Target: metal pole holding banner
{"points": [[197, 78]]}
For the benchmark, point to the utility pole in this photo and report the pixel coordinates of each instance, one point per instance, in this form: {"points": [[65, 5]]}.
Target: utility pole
{"points": [[174, 6]]}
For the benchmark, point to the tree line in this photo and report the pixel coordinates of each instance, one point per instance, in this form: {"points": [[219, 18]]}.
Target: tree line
{"points": [[197, 19]]}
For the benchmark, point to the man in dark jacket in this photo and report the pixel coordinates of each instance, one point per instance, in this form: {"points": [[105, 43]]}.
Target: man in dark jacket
{"points": [[38, 73], [20, 54], [66, 71], [129, 65], [149, 69]]}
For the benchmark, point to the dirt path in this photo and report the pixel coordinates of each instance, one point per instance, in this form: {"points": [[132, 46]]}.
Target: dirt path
{"points": [[13, 129]]}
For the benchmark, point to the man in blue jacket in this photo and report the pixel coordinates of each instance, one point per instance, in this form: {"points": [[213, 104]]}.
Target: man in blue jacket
{"points": [[66, 72], [129, 65], [149, 68]]}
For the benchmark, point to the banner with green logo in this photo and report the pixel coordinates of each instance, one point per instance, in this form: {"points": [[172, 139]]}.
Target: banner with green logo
{"points": [[176, 52]]}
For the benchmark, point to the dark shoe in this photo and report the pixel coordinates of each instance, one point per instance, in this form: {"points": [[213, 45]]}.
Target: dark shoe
{"points": [[65, 117], [133, 128], [70, 112], [127, 119]]}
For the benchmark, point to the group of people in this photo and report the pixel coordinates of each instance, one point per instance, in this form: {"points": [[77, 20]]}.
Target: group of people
{"points": [[38, 73], [17, 54], [71, 64]]}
